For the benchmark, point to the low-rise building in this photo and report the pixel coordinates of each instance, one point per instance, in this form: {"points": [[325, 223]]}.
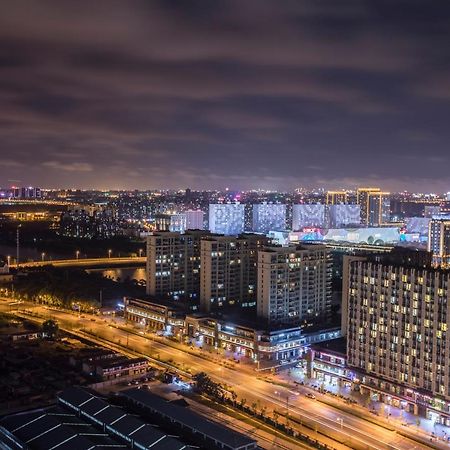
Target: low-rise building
{"points": [[107, 365], [26, 336], [111, 369], [154, 316], [245, 339]]}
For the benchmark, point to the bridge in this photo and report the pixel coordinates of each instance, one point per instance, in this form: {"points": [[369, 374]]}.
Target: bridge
{"points": [[88, 262], [40, 201]]}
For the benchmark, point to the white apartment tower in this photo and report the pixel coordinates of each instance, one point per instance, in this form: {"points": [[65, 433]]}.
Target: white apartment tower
{"points": [[309, 215], [269, 217], [227, 218], [194, 219]]}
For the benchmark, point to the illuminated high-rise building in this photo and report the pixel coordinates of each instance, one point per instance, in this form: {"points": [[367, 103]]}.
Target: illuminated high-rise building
{"points": [[375, 206], [344, 215], [336, 197], [177, 222], [431, 210], [228, 272], [294, 284], [21, 193], [269, 217], [194, 220], [173, 264], [162, 222], [309, 215], [227, 218], [439, 240], [395, 313]]}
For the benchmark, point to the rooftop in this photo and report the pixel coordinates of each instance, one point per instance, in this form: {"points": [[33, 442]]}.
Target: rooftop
{"points": [[338, 346], [188, 418], [53, 428]]}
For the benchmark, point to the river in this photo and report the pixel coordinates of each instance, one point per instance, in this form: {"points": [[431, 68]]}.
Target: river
{"points": [[121, 274]]}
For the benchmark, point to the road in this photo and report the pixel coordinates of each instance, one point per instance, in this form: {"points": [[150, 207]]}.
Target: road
{"points": [[87, 262], [349, 430]]}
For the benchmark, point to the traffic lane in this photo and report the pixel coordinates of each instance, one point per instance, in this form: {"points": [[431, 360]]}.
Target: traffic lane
{"points": [[346, 433], [354, 425], [142, 345], [152, 348]]}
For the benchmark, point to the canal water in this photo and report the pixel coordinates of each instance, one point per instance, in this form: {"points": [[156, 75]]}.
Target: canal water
{"points": [[122, 274]]}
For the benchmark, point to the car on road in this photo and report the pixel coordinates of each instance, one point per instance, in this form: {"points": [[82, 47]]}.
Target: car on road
{"points": [[309, 395]]}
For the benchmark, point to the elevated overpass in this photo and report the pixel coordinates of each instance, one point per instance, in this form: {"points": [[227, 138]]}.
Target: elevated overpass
{"points": [[88, 262]]}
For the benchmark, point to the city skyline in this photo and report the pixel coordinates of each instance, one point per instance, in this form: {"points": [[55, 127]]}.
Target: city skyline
{"points": [[261, 95], [225, 224]]}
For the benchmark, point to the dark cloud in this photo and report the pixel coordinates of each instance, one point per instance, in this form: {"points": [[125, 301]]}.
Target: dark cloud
{"points": [[235, 93]]}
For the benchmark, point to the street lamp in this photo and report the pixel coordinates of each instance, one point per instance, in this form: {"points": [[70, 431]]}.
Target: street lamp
{"points": [[9, 260], [341, 421], [77, 254], [140, 252], [43, 256], [109, 253], [287, 405], [18, 245]]}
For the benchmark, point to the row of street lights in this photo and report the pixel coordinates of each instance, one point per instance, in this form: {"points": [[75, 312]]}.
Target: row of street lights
{"points": [[339, 420], [43, 254]]}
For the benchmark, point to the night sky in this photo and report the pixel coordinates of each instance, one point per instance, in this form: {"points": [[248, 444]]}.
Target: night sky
{"points": [[212, 94]]}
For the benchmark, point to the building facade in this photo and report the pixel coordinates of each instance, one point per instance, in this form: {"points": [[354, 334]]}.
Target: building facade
{"points": [[439, 240], [228, 273], [194, 220], [162, 222], [313, 215], [344, 215], [375, 206], [178, 223], [294, 284], [396, 314], [430, 211], [336, 197], [154, 316], [21, 193], [173, 264], [89, 222], [227, 218], [269, 217], [250, 341]]}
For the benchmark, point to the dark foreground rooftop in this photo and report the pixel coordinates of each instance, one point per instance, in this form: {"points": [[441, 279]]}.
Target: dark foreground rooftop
{"points": [[220, 435], [52, 428], [82, 420]]}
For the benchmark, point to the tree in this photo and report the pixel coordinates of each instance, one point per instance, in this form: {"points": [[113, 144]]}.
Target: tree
{"points": [[205, 385], [263, 411], [50, 329], [276, 414]]}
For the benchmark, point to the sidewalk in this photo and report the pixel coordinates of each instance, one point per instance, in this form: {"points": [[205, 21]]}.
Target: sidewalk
{"points": [[388, 416]]}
